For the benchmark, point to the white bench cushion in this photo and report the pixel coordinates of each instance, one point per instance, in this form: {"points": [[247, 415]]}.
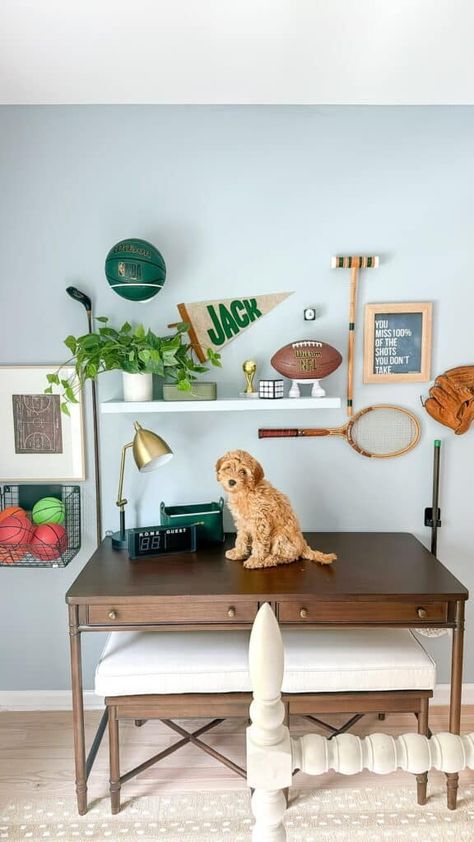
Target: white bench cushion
{"points": [[316, 661]]}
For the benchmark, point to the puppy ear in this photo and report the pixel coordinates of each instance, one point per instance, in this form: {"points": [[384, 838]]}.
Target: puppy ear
{"points": [[257, 472], [219, 464]]}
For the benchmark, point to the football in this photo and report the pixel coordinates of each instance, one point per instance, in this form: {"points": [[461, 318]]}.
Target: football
{"points": [[307, 359]]}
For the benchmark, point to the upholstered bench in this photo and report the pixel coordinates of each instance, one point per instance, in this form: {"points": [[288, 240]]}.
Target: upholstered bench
{"points": [[205, 674]]}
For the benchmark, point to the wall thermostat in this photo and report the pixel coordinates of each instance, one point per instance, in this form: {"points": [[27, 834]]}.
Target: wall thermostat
{"points": [[309, 314]]}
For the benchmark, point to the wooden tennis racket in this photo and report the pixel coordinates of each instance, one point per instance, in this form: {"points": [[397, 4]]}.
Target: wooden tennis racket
{"points": [[378, 432]]}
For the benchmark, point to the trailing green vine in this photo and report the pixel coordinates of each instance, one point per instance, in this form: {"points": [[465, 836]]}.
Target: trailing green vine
{"points": [[135, 350]]}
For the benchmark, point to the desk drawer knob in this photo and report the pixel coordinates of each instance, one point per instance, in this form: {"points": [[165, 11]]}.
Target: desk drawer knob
{"points": [[231, 612], [112, 614], [422, 613], [303, 613]]}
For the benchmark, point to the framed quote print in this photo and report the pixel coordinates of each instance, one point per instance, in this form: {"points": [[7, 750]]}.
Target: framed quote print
{"points": [[38, 441], [397, 342]]}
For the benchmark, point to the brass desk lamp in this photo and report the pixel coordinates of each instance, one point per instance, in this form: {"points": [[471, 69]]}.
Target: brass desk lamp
{"points": [[149, 451]]}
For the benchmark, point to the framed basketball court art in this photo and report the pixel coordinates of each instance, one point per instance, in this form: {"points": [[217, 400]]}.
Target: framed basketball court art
{"points": [[38, 442]]}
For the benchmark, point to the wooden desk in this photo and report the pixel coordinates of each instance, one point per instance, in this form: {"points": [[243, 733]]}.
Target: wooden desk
{"points": [[379, 579]]}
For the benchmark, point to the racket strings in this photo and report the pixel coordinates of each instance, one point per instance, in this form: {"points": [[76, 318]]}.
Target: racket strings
{"points": [[384, 431]]}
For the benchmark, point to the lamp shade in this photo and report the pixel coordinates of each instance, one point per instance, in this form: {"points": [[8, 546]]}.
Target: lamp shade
{"points": [[149, 450]]}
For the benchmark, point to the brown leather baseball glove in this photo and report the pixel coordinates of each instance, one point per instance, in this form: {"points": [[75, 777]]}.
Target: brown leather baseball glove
{"points": [[451, 400]]}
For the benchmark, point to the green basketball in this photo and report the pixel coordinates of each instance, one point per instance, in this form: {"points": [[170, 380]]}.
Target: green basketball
{"points": [[48, 510], [135, 269]]}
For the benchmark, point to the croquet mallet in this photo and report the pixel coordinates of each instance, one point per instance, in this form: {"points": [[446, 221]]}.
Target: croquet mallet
{"points": [[353, 263]]}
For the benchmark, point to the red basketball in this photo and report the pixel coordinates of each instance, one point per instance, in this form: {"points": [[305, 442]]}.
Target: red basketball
{"points": [[11, 510], [16, 529], [49, 541], [306, 360]]}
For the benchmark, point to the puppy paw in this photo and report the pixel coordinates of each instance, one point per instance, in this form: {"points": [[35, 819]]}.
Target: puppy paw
{"points": [[254, 563], [235, 555]]}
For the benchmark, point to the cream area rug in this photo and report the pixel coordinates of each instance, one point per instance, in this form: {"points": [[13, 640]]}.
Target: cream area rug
{"points": [[336, 815]]}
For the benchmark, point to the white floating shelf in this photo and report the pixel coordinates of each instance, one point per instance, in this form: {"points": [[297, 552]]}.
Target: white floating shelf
{"points": [[220, 405]]}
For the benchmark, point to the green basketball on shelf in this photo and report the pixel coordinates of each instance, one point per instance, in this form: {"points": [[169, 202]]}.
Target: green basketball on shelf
{"points": [[135, 269], [48, 510]]}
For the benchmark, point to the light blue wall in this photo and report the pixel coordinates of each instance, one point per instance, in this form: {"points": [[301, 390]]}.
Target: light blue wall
{"points": [[239, 200]]}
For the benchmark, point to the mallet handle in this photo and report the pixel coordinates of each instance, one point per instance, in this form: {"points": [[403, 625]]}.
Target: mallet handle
{"points": [[350, 349]]}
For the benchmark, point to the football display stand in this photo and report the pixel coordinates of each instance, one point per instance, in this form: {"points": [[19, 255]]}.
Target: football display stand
{"points": [[317, 390], [306, 361]]}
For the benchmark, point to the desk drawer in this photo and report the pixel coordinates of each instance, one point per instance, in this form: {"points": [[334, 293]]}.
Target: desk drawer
{"points": [[360, 612], [187, 612]]}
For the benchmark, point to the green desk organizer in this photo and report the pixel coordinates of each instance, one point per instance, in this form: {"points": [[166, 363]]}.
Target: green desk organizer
{"points": [[208, 516]]}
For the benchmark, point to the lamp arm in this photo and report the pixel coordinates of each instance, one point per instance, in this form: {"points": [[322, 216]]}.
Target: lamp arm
{"points": [[121, 502]]}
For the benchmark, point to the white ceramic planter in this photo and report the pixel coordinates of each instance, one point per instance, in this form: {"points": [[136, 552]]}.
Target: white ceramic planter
{"points": [[137, 387]]}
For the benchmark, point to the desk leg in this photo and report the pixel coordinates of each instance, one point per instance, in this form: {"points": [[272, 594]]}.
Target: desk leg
{"points": [[78, 711], [456, 692]]}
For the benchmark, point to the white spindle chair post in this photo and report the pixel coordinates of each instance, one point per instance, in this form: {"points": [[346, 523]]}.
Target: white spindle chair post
{"points": [[272, 756]]}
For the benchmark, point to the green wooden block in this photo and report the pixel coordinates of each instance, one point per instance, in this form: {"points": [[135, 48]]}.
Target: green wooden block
{"points": [[198, 392]]}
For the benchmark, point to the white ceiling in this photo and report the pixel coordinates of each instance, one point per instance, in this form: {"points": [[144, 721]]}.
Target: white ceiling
{"points": [[237, 51]]}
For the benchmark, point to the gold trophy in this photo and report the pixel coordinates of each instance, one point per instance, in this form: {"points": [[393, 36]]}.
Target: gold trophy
{"points": [[249, 368]]}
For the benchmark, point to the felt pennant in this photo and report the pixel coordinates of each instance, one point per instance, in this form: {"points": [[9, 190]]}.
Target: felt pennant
{"points": [[213, 324]]}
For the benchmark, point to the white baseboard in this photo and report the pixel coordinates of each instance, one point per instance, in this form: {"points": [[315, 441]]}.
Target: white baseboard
{"points": [[46, 700], [442, 691], [61, 699]]}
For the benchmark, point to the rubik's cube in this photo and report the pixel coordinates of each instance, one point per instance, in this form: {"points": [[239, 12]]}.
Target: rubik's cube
{"points": [[271, 389]]}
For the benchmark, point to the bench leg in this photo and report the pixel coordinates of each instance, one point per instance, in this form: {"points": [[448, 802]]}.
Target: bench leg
{"points": [[114, 760], [422, 780]]}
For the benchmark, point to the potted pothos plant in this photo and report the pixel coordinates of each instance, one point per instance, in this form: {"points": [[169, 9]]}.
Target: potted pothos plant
{"points": [[135, 351]]}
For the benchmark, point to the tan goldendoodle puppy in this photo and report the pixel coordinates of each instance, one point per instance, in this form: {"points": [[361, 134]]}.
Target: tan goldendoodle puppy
{"points": [[268, 532]]}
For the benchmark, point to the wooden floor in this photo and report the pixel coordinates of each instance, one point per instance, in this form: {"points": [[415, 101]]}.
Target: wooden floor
{"points": [[36, 755]]}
